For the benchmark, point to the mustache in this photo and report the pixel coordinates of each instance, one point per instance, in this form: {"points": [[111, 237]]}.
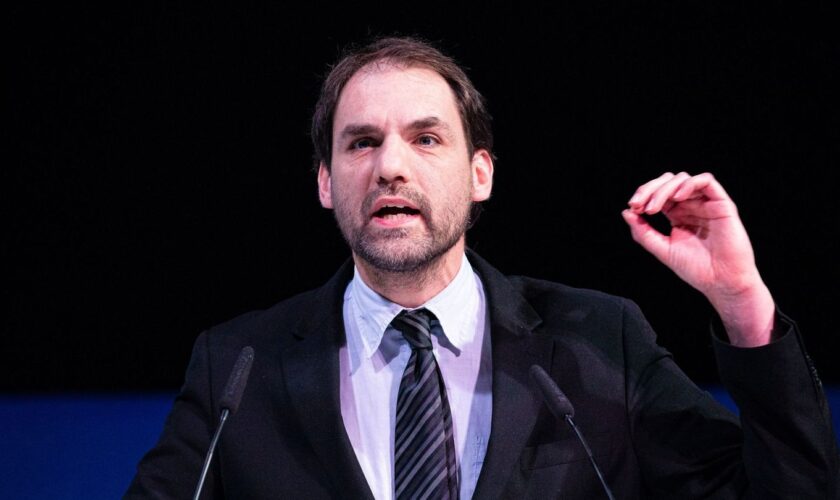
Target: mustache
{"points": [[415, 197]]}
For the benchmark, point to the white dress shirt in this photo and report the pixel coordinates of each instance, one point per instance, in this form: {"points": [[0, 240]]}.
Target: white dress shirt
{"points": [[373, 360]]}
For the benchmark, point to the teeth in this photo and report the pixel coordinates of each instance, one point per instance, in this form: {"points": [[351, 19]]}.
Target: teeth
{"points": [[393, 210]]}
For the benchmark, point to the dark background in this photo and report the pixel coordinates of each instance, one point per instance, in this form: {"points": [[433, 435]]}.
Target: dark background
{"points": [[159, 177]]}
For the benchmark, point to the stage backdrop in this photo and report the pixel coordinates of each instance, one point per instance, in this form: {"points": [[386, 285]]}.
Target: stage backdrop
{"points": [[161, 181]]}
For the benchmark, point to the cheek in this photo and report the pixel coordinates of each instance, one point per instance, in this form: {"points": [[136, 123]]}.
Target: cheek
{"points": [[348, 192], [455, 192], [352, 177]]}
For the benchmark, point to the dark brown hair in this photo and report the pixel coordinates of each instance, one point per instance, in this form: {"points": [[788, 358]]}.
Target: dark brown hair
{"points": [[408, 52]]}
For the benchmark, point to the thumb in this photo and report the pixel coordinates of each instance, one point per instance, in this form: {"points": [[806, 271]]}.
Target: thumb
{"points": [[645, 235]]}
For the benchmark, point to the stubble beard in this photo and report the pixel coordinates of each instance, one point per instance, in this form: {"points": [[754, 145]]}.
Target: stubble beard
{"points": [[407, 252]]}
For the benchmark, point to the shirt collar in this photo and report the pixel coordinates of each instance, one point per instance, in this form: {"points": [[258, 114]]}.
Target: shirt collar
{"points": [[452, 307]]}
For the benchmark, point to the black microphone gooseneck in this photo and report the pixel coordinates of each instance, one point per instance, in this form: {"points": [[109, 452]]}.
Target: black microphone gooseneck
{"points": [[562, 408], [229, 403]]}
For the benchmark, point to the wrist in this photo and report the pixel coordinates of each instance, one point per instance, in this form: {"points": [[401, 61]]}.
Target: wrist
{"points": [[748, 316]]}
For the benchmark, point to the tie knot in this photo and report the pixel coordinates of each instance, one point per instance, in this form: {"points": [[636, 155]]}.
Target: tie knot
{"points": [[416, 327]]}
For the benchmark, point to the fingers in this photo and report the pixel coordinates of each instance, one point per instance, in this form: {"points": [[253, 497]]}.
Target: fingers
{"points": [[645, 235], [643, 197], [707, 185], [669, 189], [701, 209], [689, 202]]}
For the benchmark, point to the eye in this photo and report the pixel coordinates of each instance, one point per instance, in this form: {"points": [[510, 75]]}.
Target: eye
{"points": [[427, 140], [363, 143]]}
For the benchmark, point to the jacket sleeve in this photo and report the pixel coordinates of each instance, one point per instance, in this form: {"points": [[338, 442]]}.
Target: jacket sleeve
{"points": [[172, 467], [789, 447], [690, 446]]}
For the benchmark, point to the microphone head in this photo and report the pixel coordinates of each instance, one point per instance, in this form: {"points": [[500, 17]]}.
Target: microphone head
{"points": [[557, 402], [237, 380]]}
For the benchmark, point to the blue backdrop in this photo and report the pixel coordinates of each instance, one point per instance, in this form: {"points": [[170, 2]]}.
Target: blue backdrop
{"points": [[86, 446]]}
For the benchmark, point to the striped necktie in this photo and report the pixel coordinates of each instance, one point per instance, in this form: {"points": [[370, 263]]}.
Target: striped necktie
{"points": [[424, 447]]}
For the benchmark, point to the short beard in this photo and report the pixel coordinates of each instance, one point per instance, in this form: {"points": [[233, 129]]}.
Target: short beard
{"points": [[414, 261], [416, 256]]}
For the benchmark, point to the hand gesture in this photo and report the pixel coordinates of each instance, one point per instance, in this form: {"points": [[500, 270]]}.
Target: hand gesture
{"points": [[707, 247]]}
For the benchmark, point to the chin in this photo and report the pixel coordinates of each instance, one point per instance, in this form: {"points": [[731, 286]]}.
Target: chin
{"points": [[397, 260]]}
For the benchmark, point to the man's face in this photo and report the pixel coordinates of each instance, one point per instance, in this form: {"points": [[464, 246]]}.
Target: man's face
{"points": [[401, 180]]}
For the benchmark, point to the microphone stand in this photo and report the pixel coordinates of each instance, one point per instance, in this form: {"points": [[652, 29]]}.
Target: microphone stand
{"points": [[209, 457], [229, 403]]}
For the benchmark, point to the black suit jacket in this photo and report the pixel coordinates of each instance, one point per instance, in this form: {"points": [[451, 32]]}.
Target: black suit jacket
{"points": [[653, 432]]}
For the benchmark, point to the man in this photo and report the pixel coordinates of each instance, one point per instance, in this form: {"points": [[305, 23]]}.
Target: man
{"points": [[331, 409]]}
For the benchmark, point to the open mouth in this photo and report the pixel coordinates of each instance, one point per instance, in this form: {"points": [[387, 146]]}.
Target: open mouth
{"points": [[395, 211]]}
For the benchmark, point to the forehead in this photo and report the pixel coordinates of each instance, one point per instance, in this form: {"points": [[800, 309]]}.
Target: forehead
{"points": [[382, 93]]}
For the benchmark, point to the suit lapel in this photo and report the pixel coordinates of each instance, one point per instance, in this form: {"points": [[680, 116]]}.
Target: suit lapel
{"points": [[515, 402], [311, 370]]}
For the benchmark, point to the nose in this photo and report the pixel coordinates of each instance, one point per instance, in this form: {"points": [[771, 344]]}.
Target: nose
{"points": [[392, 162]]}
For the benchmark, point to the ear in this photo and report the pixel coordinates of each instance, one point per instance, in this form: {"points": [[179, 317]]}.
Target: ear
{"points": [[482, 175], [324, 186]]}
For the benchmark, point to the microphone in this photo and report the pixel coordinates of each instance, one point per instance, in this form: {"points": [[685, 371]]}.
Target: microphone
{"points": [[229, 403], [237, 380], [562, 408]]}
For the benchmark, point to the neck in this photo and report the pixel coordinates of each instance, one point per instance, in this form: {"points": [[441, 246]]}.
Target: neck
{"points": [[413, 288]]}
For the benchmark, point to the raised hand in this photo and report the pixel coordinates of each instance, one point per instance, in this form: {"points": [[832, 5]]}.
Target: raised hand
{"points": [[707, 247]]}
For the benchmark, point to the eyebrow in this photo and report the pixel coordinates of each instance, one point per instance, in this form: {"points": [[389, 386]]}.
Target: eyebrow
{"points": [[355, 130], [428, 122]]}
